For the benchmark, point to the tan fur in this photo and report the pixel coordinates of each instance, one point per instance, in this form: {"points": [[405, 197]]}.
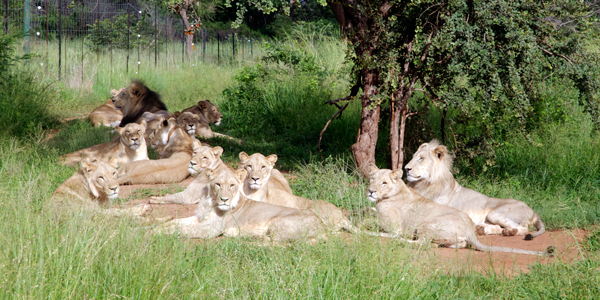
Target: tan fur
{"points": [[94, 186], [429, 174], [266, 184], [203, 114], [188, 121], [209, 112], [137, 99], [129, 146], [204, 158], [106, 114], [173, 163], [403, 213], [227, 212]]}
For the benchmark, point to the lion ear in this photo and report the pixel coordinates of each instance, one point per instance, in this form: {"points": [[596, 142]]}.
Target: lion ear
{"points": [[372, 169], [210, 174], [114, 92], [423, 146], [113, 161], [241, 174], [272, 159], [244, 157], [440, 152], [144, 123], [86, 167], [217, 151], [396, 175], [135, 89], [202, 105], [177, 114], [119, 130]]}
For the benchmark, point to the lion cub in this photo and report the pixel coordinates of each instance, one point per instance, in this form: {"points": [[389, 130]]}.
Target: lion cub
{"points": [[130, 146], [266, 184], [95, 185], [226, 211], [404, 213], [204, 158], [177, 148]]}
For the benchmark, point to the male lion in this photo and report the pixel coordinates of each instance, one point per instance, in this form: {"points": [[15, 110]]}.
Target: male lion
{"points": [[429, 174], [95, 185], [172, 166], [129, 146], [204, 158], [135, 100], [226, 211], [106, 114], [404, 213], [266, 184]]}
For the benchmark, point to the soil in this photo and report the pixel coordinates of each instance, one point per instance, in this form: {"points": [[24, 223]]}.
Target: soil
{"points": [[456, 261]]}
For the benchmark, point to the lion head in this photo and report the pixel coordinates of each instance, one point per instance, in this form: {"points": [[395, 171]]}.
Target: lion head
{"points": [[225, 188], [204, 158], [211, 112], [430, 163], [136, 99], [132, 134], [101, 177], [258, 167], [384, 183], [188, 122]]}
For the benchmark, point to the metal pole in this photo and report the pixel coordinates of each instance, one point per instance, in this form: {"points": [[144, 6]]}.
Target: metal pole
{"points": [[82, 37], [128, 16], [251, 42], [139, 62], [233, 43], [6, 16], [203, 44], [47, 32], [60, 8], [183, 43], [218, 49], [155, 34], [26, 26]]}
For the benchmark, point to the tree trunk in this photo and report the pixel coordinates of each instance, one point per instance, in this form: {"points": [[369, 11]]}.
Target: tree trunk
{"points": [[366, 141], [394, 139], [189, 38]]}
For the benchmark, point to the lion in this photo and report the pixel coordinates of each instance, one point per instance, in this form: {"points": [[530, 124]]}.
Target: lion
{"points": [[197, 125], [94, 185], [171, 167], [226, 211], [106, 114], [129, 146], [204, 158], [266, 184], [207, 110], [428, 173], [136, 99], [404, 213]]}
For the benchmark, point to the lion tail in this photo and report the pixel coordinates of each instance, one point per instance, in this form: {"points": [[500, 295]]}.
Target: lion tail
{"points": [[539, 224], [475, 243]]}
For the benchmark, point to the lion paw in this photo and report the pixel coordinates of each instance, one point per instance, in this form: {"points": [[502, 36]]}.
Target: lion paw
{"points": [[480, 230], [509, 231]]}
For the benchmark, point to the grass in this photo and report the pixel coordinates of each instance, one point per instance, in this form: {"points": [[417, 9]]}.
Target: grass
{"points": [[76, 255]]}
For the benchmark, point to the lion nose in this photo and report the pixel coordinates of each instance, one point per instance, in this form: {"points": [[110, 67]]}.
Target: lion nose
{"points": [[224, 199], [134, 139], [370, 191], [255, 178], [407, 169], [114, 189], [192, 163]]}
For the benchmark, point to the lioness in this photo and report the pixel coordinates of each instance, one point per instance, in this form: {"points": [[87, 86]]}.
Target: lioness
{"points": [[204, 158], [106, 114], [266, 184], [94, 186], [135, 100], [197, 125], [128, 146], [172, 166], [403, 212], [207, 110], [227, 212], [428, 173]]}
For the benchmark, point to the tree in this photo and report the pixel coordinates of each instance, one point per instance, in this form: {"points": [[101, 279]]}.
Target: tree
{"points": [[192, 13], [482, 57]]}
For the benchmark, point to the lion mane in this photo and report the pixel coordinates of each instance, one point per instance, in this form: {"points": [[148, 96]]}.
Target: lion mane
{"points": [[135, 100]]}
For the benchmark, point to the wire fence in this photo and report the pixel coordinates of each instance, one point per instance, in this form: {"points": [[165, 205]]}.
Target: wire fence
{"points": [[135, 36]]}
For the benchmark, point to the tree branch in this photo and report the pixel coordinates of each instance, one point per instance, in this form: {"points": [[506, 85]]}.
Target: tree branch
{"points": [[325, 128], [554, 54]]}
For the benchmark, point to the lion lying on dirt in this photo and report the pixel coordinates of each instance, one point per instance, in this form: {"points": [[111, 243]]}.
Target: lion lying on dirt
{"points": [[266, 184], [177, 148], [136, 99], [94, 186], [204, 158], [129, 146], [107, 114], [404, 213], [428, 173], [227, 212]]}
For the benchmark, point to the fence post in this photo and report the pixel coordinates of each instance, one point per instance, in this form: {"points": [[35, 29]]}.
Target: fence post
{"points": [[26, 25], [82, 38], [60, 8], [233, 43], [155, 34], [251, 42], [47, 32], [6, 16], [183, 43], [218, 49], [203, 44], [127, 11]]}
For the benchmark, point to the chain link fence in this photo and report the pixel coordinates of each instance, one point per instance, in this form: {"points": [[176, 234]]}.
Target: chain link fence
{"points": [[71, 37]]}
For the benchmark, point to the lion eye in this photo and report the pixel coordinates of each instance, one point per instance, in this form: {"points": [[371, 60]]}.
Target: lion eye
{"points": [[101, 177], [263, 167], [138, 131], [205, 158], [232, 186], [127, 131], [420, 158], [249, 167], [115, 174], [384, 183], [218, 185], [194, 152]]}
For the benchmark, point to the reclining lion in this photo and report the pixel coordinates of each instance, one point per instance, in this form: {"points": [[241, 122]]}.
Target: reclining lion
{"points": [[207, 110], [197, 125], [107, 114], [128, 145], [428, 173], [227, 212], [404, 213], [204, 158], [172, 167], [94, 186], [266, 184], [137, 99]]}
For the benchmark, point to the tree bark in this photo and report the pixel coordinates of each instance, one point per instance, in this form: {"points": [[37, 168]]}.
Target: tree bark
{"points": [[366, 141], [189, 38]]}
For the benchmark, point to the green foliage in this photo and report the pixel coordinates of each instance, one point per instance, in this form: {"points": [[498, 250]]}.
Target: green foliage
{"points": [[592, 242], [23, 101], [112, 33]]}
